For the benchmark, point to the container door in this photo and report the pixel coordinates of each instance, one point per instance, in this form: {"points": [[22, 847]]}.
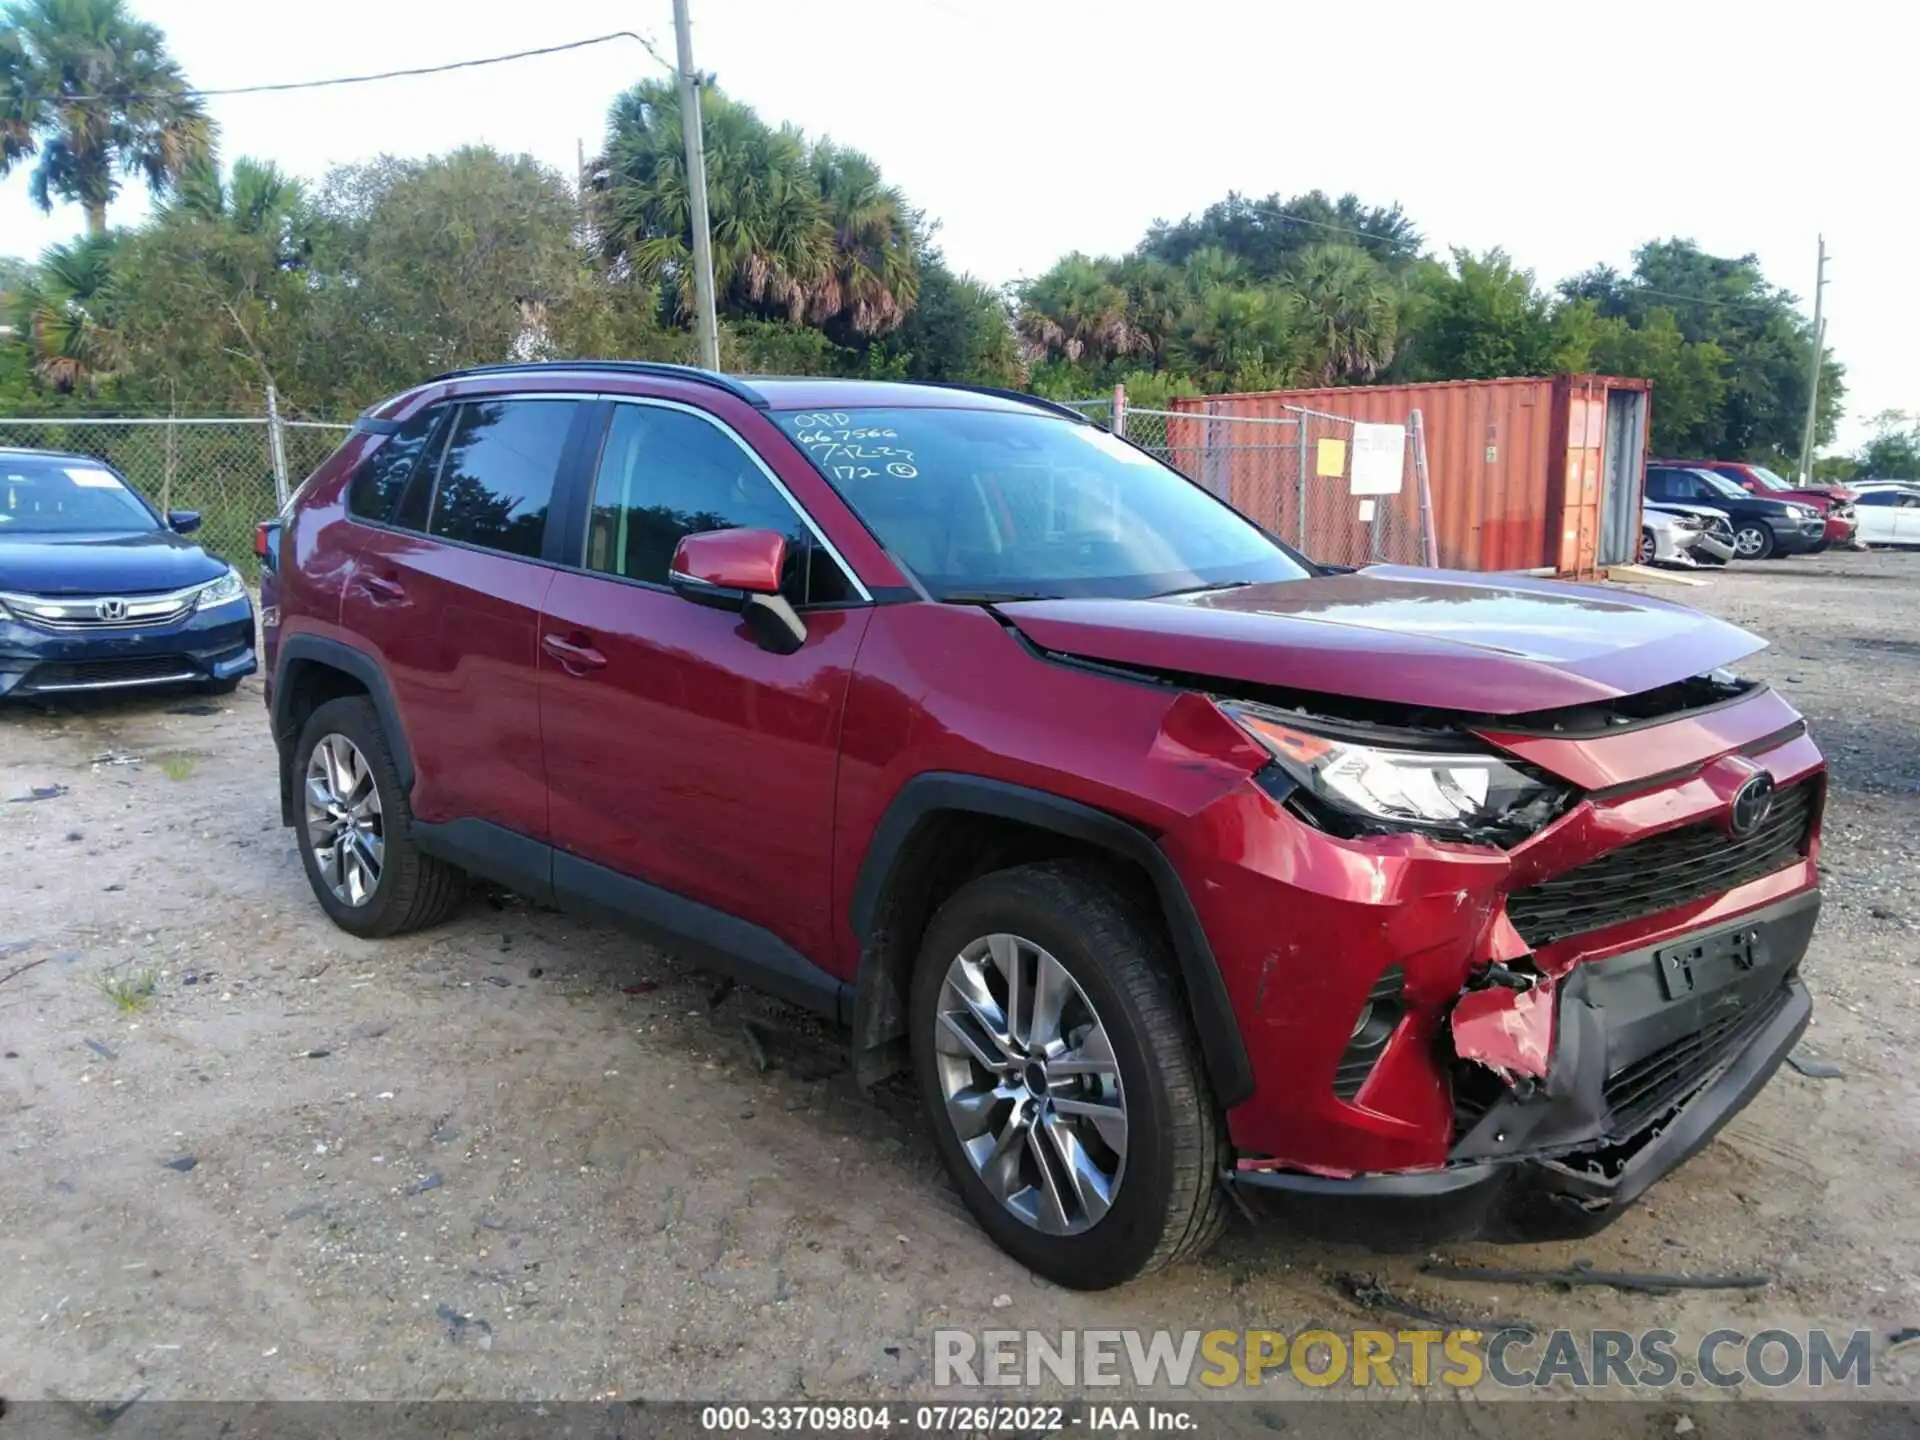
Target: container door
{"points": [[1625, 462]]}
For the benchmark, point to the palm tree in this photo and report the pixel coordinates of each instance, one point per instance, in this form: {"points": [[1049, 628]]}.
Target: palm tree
{"points": [[1350, 310], [1240, 338], [256, 199], [771, 240], [810, 234], [873, 276], [61, 311], [1077, 310], [94, 94]]}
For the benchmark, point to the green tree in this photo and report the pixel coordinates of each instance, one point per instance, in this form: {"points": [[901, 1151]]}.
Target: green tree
{"points": [[1350, 310], [959, 329], [1689, 380], [1893, 451], [1077, 310], [1483, 318], [1766, 343], [62, 312], [1247, 338], [810, 234], [422, 266], [211, 298], [93, 93], [1267, 235]]}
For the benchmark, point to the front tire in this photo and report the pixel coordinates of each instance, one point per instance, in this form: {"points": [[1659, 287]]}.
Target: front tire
{"points": [[1058, 1067], [1753, 541], [1647, 547], [355, 828]]}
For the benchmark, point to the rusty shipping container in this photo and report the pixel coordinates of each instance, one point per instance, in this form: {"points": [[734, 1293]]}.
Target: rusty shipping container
{"points": [[1525, 474]]}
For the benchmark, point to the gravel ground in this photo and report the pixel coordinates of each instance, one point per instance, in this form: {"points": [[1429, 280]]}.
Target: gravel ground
{"points": [[520, 1157]]}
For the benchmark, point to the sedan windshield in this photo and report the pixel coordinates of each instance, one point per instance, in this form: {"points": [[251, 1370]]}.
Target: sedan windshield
{"points": [[1016, 505], [60, 494]]}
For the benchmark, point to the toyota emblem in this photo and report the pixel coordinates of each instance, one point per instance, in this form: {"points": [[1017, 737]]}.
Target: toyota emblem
{"points": [[1751, 802], [111, 609]]}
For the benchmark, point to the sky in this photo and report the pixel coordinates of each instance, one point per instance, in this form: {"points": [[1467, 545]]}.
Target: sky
{"points": [[1567, 134]]}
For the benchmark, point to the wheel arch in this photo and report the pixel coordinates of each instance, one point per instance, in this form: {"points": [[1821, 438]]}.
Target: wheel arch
{"points": [[313, 669], [946, 820]]}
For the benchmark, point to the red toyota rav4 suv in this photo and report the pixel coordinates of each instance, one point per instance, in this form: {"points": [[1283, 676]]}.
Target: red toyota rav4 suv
{"points": [[1414, 903]]}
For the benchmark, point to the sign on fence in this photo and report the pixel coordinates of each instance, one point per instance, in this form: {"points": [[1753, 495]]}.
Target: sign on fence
{"points": [[1379, 456]]}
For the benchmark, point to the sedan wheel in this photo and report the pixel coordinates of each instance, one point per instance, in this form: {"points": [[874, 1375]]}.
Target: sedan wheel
{"points": [[1031, 1085], [1647, 548], [344, 820]]}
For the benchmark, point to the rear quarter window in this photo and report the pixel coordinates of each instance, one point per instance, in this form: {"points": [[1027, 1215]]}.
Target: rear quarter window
{"points": [[378, 484]]}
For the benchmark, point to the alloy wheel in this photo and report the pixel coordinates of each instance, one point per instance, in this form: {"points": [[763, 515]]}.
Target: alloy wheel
{"points": [[1031, 1085], [1749, 542], [1647, 548], [344, 823]]}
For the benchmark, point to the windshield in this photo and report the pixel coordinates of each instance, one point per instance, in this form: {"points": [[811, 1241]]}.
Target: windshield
{"points": [[1767, 478], [59, 494], [1721, 485], [1021, 505]]}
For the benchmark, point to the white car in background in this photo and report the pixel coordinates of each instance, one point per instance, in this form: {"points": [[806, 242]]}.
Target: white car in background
{"points": [[1684, 535], [1889, 512]]}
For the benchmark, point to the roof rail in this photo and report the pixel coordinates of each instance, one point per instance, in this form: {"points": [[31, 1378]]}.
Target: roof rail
{"points": [[1005, 394], [656, 368]]}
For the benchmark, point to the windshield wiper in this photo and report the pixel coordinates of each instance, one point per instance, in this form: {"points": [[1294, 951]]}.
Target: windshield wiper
{"points": [[993, 597], [1202, 589]]}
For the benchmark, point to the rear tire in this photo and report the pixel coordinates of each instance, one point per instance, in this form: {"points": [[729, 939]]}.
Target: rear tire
{"points": [[1752, 541], [409, 889], [1161, 1200]]}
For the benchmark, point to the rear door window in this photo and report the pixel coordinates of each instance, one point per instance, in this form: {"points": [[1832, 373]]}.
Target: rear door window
{"points": [[496, 480]]}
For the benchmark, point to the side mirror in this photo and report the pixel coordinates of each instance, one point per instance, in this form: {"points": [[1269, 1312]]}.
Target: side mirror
{"points": [[739, 571], [183, 522]]}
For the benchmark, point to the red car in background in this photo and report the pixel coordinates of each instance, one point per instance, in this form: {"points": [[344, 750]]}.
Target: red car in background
{"points": [[1833, 501]]}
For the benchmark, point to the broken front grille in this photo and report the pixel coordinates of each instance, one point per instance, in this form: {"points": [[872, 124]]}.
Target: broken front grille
{"points": [[1665, 870], [1645, 1090]]}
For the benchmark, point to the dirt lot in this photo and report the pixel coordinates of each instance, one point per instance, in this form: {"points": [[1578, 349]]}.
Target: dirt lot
{"points": [[520, 1157]]}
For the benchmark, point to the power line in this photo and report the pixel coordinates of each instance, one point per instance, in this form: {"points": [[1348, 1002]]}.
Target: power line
{"points": [[287, 85]]}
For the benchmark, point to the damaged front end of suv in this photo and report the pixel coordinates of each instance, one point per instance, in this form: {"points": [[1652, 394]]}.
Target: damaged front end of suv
{"points": [[1498, 973]]}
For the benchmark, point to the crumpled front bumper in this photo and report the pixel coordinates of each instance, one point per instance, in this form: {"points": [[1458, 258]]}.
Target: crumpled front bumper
{"points": [[1564, 1160]]}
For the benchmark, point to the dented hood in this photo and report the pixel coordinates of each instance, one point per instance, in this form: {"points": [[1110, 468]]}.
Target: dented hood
{"points": [[1429, 638]]}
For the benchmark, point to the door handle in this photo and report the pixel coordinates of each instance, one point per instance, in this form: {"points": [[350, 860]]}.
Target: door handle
{"points": [[383, 590], [574, 655]]}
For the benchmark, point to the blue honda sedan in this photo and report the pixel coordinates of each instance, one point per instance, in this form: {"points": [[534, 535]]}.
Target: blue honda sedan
{"points": [[99, 591]]}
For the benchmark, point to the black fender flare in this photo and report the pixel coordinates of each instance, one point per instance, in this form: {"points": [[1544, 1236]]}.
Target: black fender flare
{"points": [[1222, 1048], [349, 660]]}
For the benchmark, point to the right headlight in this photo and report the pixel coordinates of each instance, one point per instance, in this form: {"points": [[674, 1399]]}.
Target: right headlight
{"points": [[1356, 787]]}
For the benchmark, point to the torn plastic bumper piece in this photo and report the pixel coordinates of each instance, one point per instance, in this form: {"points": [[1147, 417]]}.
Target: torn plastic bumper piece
{"points": [[1652, 1052], [1507, 1028]]}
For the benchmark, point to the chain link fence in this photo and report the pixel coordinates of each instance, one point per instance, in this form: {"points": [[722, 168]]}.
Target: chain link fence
{"points": [[1294, 473], [222, 468]]}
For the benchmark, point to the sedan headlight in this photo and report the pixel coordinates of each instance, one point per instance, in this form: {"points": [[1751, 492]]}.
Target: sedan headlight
{"points": [[224, 591], [1802, 512], [1356, 787]]}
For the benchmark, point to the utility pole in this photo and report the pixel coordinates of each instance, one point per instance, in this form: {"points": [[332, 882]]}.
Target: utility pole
{"points": [[1819, 354], [706, 323]]}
